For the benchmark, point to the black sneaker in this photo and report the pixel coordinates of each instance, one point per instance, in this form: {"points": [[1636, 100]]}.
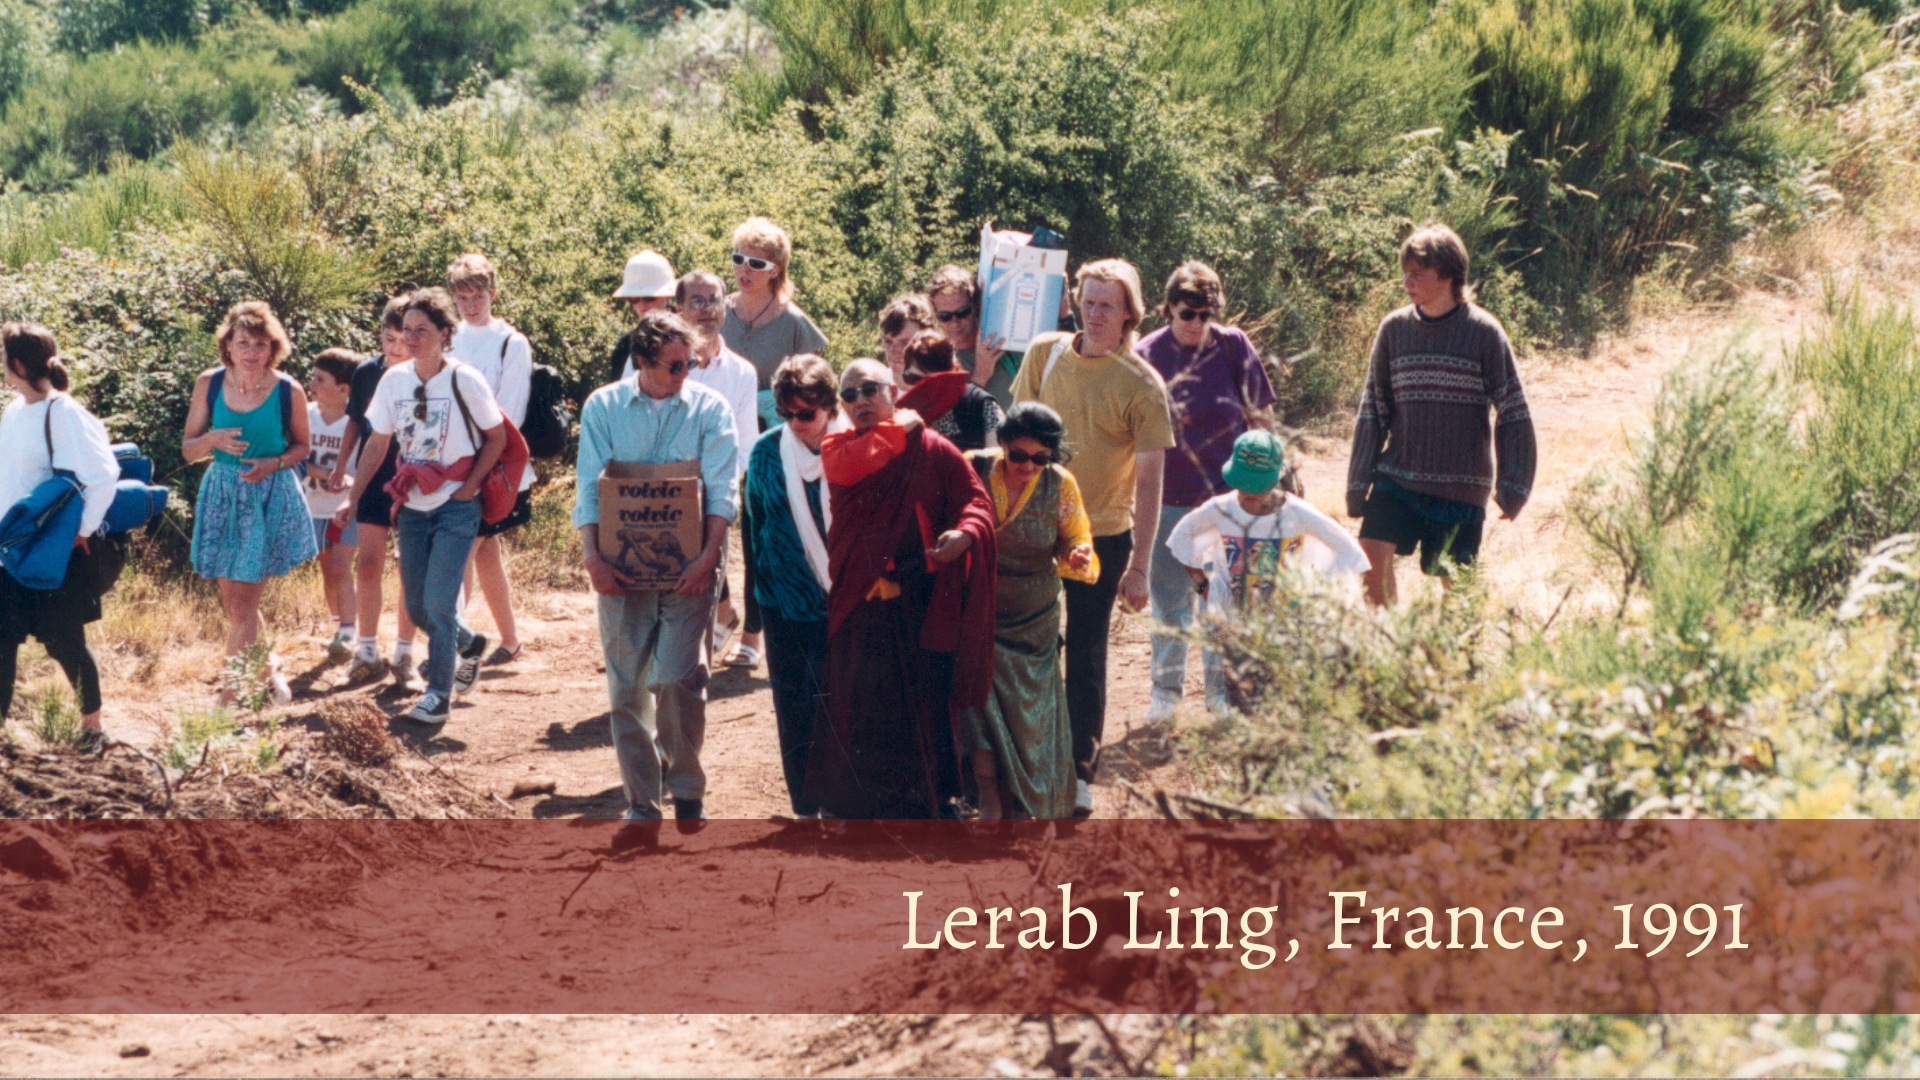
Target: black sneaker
{"points": [[689, 815], [467, 672]]}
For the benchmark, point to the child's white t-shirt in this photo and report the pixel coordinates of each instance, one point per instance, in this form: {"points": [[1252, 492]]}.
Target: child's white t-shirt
{"points": [[1233, 546], [440, 436], [323, 453]]}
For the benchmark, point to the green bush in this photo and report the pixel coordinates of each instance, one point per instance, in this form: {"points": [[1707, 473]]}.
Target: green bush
{"points": [[423, 48], [134, 102]]}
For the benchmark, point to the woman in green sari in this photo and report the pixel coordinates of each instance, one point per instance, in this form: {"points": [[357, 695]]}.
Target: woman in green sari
{"points": [[1020, 744]]}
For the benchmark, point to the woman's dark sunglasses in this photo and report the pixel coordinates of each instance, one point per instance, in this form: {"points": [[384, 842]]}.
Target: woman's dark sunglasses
{"points": [[865, 390], [1021, 457], [798, 416], [960, 313], [420, 401], [1190, 314], [752, 262]]}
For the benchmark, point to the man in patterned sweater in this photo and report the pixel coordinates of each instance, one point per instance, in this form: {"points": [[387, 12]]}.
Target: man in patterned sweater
{"points": [[1424, 452]]}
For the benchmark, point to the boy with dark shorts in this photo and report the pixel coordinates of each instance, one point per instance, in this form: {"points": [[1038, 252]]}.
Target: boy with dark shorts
{"points": [[1424, 446]]}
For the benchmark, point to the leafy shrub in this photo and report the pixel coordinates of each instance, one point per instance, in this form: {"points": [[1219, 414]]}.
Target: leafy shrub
{"points": [[426, 48], [134, 102], [99, 214], [26, 38]]}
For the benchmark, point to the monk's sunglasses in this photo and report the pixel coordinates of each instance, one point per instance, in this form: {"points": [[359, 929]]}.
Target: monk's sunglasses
{"points": [[958, 313], [752, 262], [1021, 457], [866, 389]]}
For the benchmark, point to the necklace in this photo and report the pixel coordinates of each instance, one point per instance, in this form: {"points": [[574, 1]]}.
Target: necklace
{"points": [[764, 308]]}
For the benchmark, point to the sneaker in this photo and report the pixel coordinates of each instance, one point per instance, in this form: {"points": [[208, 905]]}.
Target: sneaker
{"points": [[92, 742], [277, 682], [403, 670], [431, 709], [690, 815], [341, 650], [1082, 799], [366, 669], [467, 672], [1160, 709]]}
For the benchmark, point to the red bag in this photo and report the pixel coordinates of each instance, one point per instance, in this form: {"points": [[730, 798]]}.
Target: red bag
{"points": [[501, 487]]}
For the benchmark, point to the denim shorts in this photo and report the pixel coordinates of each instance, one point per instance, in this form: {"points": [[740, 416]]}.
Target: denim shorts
{"points": [[350, 537]]}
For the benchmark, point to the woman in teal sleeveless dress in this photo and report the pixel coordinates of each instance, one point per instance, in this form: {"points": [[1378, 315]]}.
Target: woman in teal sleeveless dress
{"points": [[1021, 745], [250, 520]]}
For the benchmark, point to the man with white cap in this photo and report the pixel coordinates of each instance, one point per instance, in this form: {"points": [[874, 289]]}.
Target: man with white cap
{"points": [[647, 286]]}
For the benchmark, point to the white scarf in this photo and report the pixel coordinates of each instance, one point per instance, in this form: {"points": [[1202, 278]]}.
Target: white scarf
{"points": [[802, 466]]}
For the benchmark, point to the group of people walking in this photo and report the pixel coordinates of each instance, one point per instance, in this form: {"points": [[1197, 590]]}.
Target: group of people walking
{"points": [[933, 541]]}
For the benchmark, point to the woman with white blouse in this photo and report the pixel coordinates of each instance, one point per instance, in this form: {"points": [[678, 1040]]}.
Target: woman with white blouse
{"points": [[44, 428]]}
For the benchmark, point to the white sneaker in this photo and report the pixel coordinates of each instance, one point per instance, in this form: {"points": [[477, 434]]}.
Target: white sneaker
{"points": [[1160, 710], [277, 681], [1082, 799], [340, 650]]}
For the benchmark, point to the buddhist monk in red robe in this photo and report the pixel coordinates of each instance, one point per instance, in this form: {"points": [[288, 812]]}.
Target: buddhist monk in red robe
{"points": [[910, 616]]}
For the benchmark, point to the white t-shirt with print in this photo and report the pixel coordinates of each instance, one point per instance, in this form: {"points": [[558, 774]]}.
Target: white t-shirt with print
{"points": [[504, 357], [441, 435], [323, 453], [1237, 549]]}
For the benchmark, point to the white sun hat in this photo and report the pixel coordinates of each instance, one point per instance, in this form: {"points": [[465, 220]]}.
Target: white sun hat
{"points": [[649, 275]]}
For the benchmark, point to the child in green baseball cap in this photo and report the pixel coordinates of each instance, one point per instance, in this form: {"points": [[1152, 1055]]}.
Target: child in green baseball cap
{"points": [[1233, 545]]}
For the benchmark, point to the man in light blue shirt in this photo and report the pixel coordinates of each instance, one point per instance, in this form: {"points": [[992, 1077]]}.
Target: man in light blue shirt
{"points": [[656, 674]]}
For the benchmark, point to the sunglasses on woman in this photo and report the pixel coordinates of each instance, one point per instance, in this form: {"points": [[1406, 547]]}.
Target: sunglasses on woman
{"points": [[1021, 457], [865, 390], [752, 262], [1190, 314], [957, 313], [798, 416], [420, 402]]}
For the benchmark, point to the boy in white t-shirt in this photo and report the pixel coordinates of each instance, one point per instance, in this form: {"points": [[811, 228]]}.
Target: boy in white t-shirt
{"points": [[327, 422], [504, 357], [1234, 545]]}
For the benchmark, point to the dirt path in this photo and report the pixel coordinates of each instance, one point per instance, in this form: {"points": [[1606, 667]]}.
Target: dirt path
{"points": [[546, 717]]}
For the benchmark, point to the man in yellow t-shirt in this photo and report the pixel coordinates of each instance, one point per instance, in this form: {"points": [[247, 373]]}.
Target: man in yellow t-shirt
{"points": [[1118, 425]]}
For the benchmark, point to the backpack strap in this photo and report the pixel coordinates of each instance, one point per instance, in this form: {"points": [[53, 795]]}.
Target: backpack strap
{"points": [[48, 429], [474, 435], [285, 391], [1053, 357], [214, 385]]}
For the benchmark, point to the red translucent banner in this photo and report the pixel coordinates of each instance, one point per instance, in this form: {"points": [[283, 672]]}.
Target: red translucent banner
{"points": [[1112, 916]]}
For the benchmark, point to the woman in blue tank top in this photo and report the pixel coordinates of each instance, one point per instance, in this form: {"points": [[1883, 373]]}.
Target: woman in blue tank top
{"points": [[250, 521]]}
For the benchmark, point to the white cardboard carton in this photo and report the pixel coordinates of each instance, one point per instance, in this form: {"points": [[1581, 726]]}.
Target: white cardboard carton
{"points": [[1020, 287]]}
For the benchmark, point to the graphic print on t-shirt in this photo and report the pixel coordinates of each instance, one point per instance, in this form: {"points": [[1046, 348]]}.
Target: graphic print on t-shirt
{"points": [[1256, 562], [422, 440]]}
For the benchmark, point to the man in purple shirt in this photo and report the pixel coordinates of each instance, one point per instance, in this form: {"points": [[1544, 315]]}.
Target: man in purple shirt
{"points": [[1218, 389]]}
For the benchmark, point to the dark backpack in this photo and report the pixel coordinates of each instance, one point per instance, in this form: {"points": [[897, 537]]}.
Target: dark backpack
{"points": [[548, 417]]}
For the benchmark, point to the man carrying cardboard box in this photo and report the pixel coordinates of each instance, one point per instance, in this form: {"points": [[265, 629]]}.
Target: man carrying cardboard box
{"points": [[650, 448]]}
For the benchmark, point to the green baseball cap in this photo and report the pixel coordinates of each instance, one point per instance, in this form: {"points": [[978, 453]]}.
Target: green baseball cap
{"points": [[1258, 459]]}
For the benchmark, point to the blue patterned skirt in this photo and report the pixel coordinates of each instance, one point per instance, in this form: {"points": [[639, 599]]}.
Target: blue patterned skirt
{"points": [[250, 532]]}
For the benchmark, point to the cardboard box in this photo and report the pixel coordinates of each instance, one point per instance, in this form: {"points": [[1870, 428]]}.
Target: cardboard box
{"points": [[652, 520], [1020, 287]]}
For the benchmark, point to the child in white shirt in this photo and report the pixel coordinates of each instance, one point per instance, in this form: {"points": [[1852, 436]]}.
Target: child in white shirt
{"points": [[1235, 545], [327, 422]]}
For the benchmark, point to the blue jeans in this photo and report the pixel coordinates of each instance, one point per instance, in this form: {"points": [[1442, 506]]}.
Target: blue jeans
{"points": [[433, 546], [1171, 590]]}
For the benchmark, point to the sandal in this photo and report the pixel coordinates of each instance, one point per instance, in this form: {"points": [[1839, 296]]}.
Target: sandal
{"points": [[503, 655], [743, 656], [722, 634]]}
